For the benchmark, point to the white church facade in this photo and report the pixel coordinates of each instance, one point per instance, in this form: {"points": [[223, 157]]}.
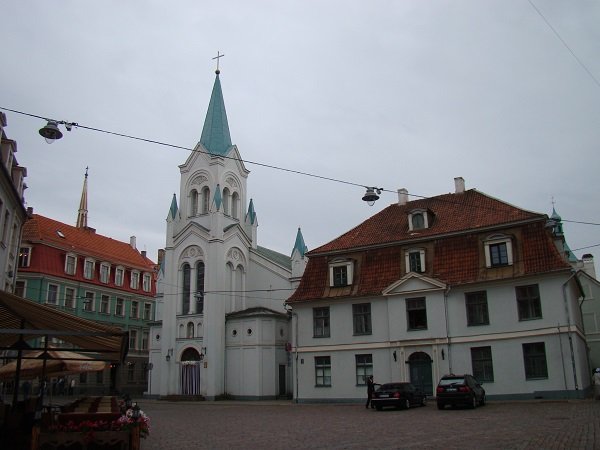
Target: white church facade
{"points": [[221, 326]]}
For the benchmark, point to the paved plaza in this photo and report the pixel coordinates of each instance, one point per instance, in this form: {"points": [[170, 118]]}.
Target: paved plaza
{"points": [[573, 424]]}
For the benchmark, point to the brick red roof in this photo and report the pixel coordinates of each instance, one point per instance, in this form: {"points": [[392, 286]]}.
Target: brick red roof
{"points": [[454, 237], [452, 213], [50, 249]]}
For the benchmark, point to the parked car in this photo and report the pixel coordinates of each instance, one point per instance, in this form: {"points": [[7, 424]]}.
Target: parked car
{"points": [[398, 395], [459, 390]]}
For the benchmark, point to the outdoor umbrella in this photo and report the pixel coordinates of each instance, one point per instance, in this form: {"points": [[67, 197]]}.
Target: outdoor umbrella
{"points": [[58, 362]]}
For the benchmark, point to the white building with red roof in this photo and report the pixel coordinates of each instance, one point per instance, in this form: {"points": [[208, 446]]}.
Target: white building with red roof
{"points": [[456, 283]]}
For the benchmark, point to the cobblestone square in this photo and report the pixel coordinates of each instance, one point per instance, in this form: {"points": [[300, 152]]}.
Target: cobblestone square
{"points": [[252, 425]]}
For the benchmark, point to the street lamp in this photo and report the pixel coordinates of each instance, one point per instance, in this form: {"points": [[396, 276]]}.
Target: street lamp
{"points": [[372, 195], [51, 132]]}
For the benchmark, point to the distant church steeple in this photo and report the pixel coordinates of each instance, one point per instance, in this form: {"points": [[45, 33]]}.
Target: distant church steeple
{"points": [[82, 214]]}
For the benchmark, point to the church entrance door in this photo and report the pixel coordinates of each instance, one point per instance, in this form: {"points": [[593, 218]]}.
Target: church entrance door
{"points": [[190, 372]]}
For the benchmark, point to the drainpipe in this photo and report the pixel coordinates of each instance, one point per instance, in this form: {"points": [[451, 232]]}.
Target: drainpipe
{"points": [[447, 328], [587, 348], [564, 291], [296, 355]]}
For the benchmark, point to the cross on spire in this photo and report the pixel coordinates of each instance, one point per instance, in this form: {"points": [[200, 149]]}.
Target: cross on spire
{"points": [[217, 58]]}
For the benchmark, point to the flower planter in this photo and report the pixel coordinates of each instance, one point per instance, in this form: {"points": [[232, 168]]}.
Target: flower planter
{"points": [[86, 440]]}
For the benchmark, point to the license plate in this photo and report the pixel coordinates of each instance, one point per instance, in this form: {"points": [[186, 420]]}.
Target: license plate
{"points": [[451, 390], [383, 395]]}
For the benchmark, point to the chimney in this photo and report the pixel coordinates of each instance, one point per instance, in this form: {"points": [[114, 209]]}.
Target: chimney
{"points": [[459, 185], [143, 253], [588, 264], [30, 211], [132, 242], [402, 196]]}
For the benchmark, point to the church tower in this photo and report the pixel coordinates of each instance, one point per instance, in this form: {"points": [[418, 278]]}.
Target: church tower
{"points": [[216, 335]]}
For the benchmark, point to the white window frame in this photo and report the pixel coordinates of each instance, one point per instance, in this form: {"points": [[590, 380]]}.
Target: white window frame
{"points": [[89, 300], [55, 302], [133, 338], [120, 302], [410, 251], [415, 212], [67, 265], [106, 310], [148, 309], [135, 279], [105, 272], [349, 265], [498, 239], [86, 265], [72, 302], [146, 282], [25, 258], [134, 314], [119, 275], [18, 284]]}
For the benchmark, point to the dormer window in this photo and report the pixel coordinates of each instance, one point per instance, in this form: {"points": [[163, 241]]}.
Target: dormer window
{"points": [[135, 279], [415, 260], [146, 282], [119, 275], [498, 251], [88, 268], [70, 264], [104, 272], [418, 220], [340, 273]]}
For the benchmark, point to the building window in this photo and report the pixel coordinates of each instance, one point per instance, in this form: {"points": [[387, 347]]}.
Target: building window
{"points": [[415, 261], [119, 275], [205, 199], [200, 287], [88, 302], [147, 311], [322, 371], [193, 203], [481, 360], [105, 304], [120, 307], [226, 198], [361, 314], [498, 251], [534, 357], [477, 308], [52, 298], [24, 254], [135, 279], [364, 369], [340, 273], [321, 322], [20, 288], [235, 202], [5, 227], [135, 310], [418, 220], [70, 264], [146, 282], [144, 340], [185, 294], [132, 339], [528, 302], [416, 313], [190, 330], [104, 272], [88, 269], [70, 298]]}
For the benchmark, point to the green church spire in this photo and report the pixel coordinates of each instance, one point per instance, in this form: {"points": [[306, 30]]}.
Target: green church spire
{"points": [[215, 134], [299, 244]]}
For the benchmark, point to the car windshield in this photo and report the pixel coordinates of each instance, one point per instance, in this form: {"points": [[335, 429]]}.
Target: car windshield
{"points": [[449, 381], [391, 386]]}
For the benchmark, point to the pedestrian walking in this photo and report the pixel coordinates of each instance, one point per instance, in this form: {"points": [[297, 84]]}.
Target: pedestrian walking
{"points": [[596, 382]]}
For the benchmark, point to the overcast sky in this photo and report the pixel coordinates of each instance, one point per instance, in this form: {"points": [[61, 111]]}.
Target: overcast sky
{"points": [[394, 94]]}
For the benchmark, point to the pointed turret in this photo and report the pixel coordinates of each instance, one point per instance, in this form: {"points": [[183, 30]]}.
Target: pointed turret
{"points": [[82, 214], [173, 209], [299, 260], [251, 224], [215, 133]]}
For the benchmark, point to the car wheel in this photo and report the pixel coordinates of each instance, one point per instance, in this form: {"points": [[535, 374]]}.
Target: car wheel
{"points": [[440, 405], [424, 401], [406, 404], [473, 404]]}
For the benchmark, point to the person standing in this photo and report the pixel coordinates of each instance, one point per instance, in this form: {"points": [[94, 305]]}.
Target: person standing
{"points": [[596, 382], [370, 390], [72, 386]]}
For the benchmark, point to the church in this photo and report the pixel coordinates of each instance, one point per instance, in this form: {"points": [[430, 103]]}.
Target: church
{"points": [[221, 328]]}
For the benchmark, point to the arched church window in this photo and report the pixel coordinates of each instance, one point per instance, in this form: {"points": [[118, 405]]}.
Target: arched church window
{"points": [[181, 331], [185, 293], [226, 201], [194, 202], [200, 287], [190, 330], [205, 199], [235, 205]]}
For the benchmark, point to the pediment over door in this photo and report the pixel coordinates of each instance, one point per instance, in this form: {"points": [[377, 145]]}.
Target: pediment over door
{"points": [[413, 283]]}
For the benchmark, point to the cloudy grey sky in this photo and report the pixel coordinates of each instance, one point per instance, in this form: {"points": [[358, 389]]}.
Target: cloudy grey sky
{"points": [[385, 93]]}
